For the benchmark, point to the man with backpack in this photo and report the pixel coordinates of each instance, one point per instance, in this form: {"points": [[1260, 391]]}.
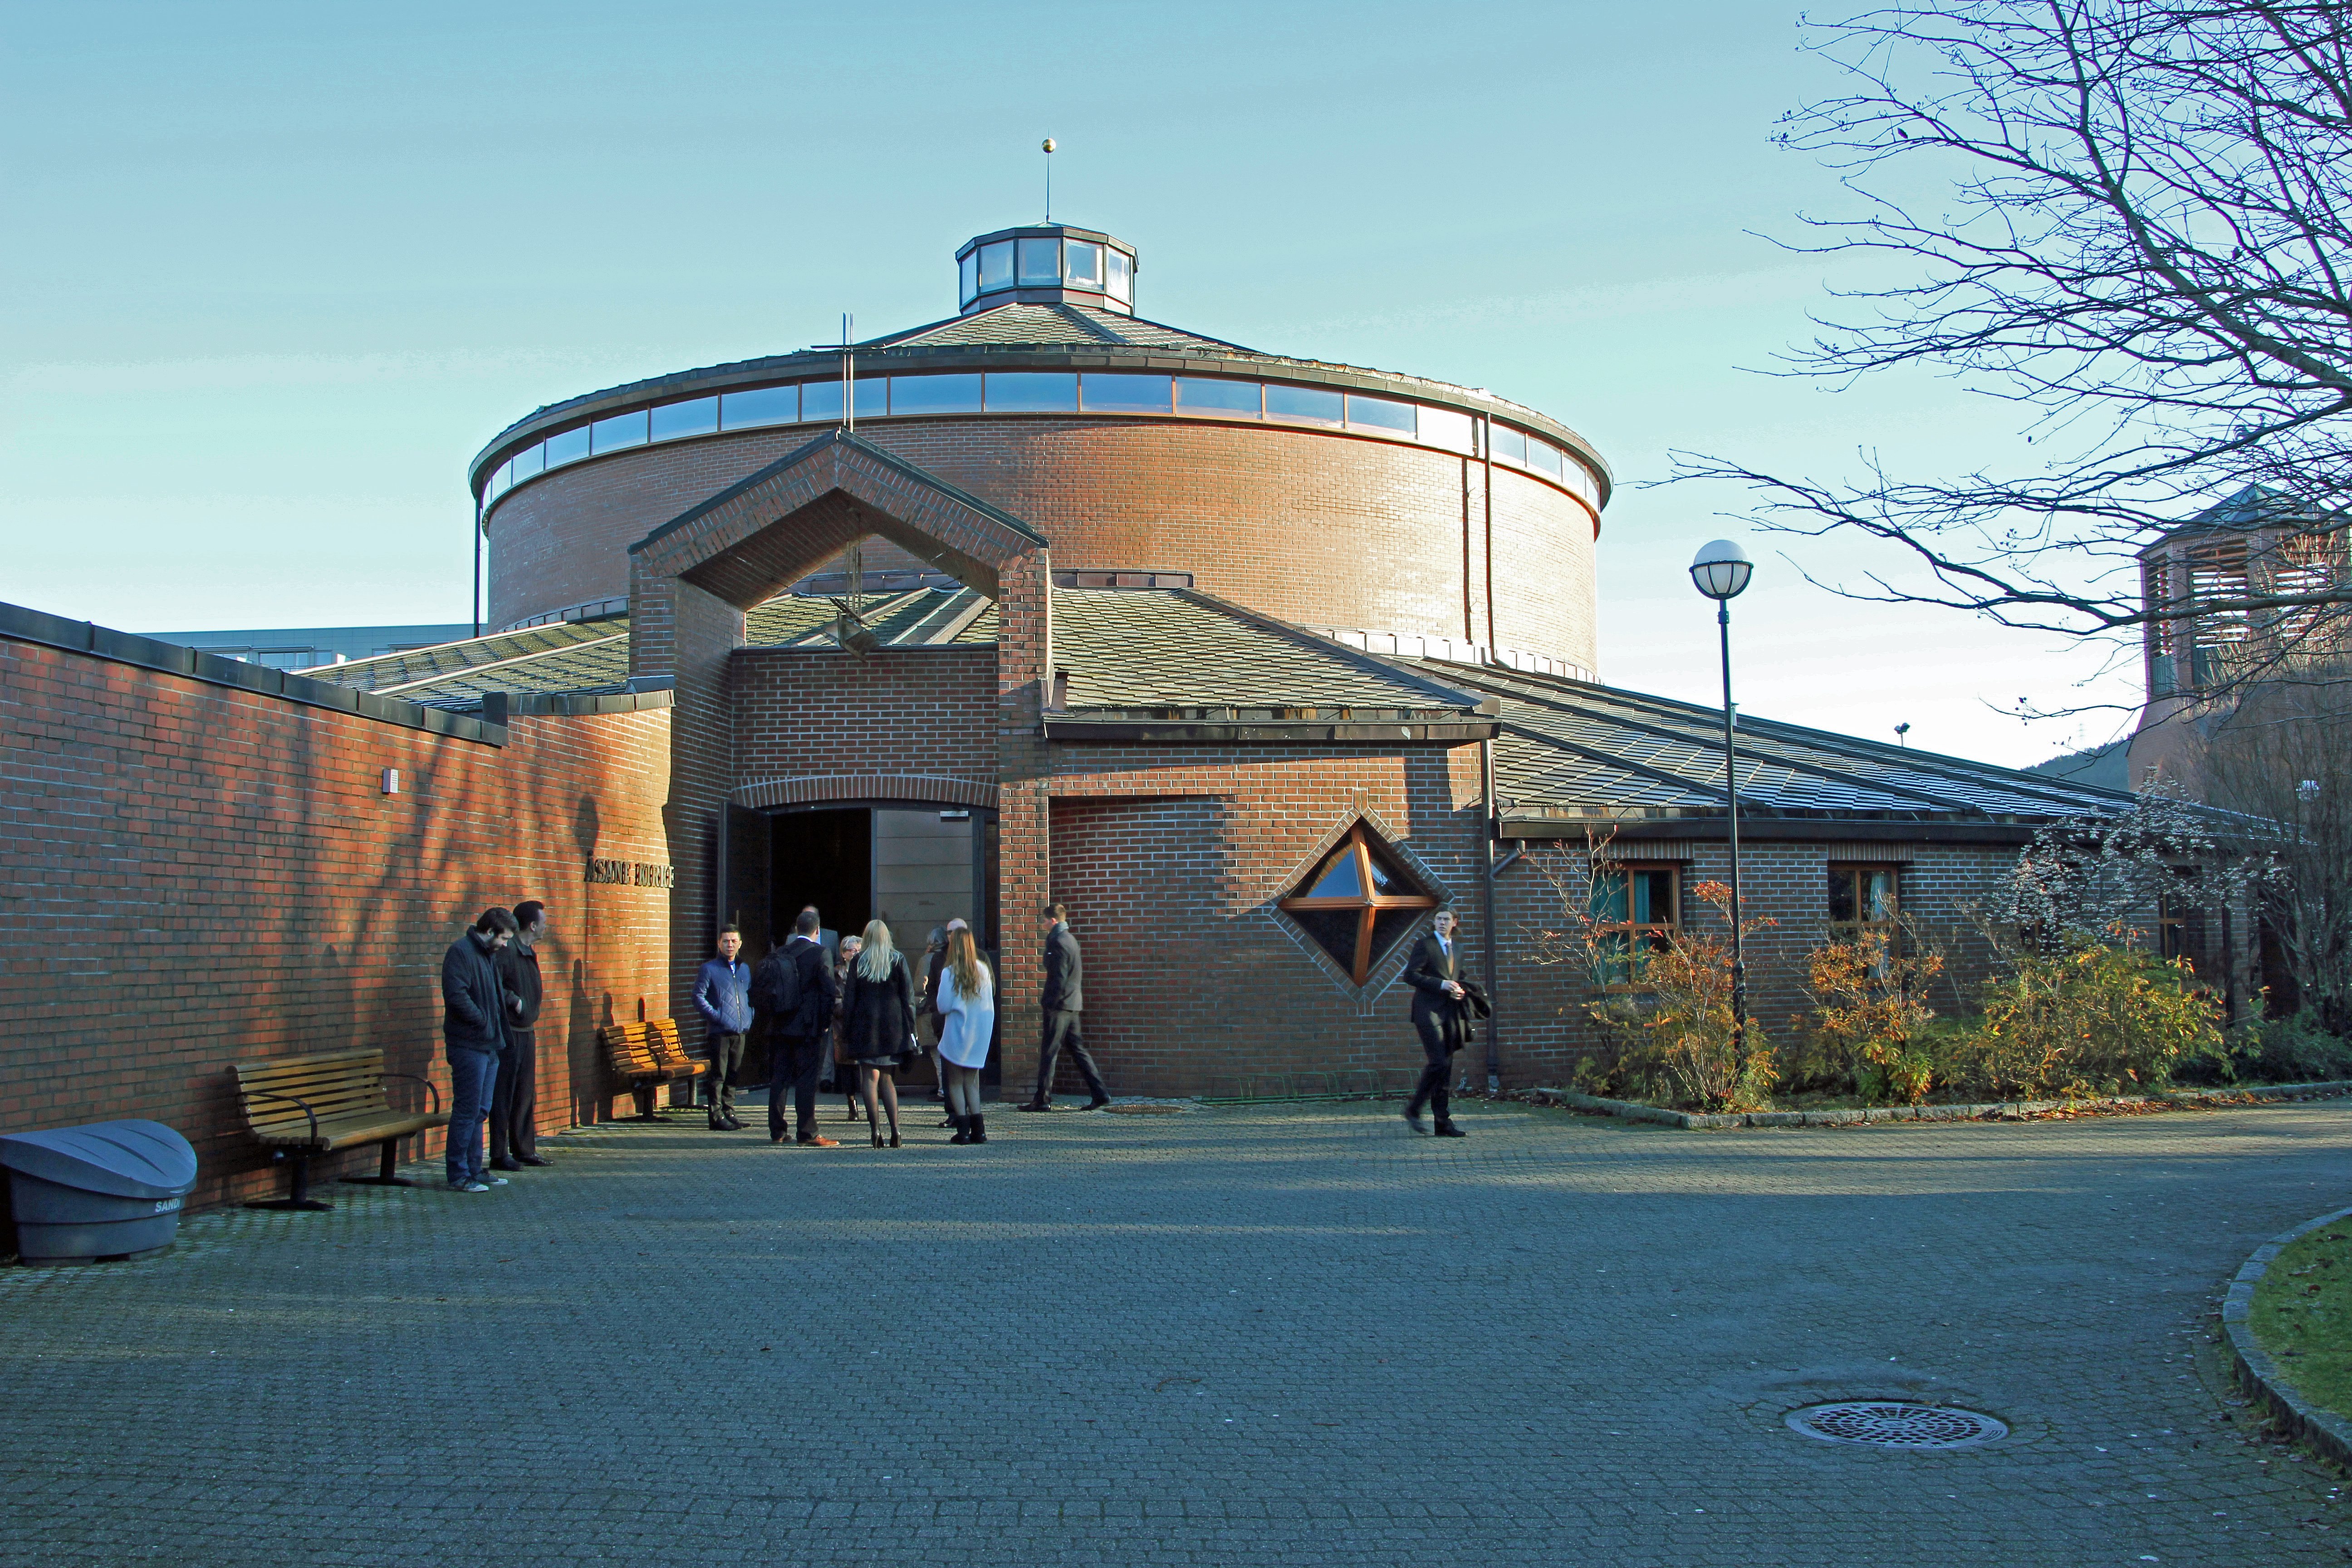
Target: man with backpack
{"points": [[795, 987]]}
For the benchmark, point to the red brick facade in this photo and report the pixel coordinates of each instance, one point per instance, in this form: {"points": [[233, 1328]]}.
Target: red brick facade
{"points": [[1280, 518], [200, 875]]}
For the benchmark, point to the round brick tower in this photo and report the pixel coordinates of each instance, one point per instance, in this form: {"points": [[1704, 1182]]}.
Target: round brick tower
{"points": [[1324, 494]]}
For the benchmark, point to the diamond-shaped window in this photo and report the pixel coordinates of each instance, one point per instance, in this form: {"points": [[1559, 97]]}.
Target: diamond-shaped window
{"points": [[1357, 903]]}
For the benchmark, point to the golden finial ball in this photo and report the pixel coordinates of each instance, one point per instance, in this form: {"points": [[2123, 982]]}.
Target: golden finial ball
{"points": [[1049, 143]]}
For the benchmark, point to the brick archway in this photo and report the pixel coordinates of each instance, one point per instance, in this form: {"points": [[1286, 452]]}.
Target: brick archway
{"points": [[811, 788]]}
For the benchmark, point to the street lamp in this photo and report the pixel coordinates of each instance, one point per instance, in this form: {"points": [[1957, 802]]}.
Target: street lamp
{"points": [[1720, 571]]}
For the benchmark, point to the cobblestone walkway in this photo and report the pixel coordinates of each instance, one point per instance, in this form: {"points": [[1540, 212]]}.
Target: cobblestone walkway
{"points": [[1296, 1336]]}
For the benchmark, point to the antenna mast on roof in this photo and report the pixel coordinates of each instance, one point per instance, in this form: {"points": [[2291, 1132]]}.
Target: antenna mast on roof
{"points": [[848, 373], [1049, 179]]}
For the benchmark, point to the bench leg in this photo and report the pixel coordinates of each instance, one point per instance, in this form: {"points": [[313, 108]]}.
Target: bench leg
{"points": [[299, 1197], [384, 1176], [645, 1093]]}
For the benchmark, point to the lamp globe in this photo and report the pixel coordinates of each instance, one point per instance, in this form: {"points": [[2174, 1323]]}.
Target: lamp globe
{"points": [[1721, 569]]}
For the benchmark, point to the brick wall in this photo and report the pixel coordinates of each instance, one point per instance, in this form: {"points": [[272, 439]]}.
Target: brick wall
{"points": [[196, 874], [902, 710], [1172, 858], [1784, 882], [1280, 518]]}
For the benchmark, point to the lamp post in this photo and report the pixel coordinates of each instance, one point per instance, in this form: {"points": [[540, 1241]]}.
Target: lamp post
{"points": [[1720, 571]]}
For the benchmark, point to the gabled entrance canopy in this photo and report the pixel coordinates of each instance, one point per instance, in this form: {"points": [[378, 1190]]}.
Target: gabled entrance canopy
{"points": [[757, 538]]}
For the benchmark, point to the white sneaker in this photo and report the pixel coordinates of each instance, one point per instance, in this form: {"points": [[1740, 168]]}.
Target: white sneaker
{"points": [[491, 1182], [469, 1186]]}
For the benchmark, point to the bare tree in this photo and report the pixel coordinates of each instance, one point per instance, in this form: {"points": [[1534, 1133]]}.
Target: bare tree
{"points": [[2146, 247]]}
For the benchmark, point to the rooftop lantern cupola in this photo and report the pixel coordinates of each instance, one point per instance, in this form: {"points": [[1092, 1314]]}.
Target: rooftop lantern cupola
{"points": [[1045, 264]]}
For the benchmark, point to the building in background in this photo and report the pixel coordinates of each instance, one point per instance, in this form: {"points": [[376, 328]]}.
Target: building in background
{"points": [[1253, 660], [301, 647]]}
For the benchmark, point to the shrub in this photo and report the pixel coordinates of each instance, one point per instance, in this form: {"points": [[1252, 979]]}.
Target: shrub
{"points": [[2296, 1049], [1866, 1031], [1675, 1034], [2093, 1018]]}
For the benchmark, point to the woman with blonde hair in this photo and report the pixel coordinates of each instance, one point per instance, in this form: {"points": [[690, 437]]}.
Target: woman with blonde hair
{"points": [[967, 1005], [879, 1003]]}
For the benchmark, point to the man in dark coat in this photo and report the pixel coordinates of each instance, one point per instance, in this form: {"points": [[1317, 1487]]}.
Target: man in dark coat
{"points": [[1063, 1001], [1441, 1012], [514, 1104], [473, 1026], [795, 988]]}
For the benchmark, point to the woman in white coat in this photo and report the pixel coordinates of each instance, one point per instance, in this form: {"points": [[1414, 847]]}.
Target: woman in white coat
{"points": [[966, 1003]]}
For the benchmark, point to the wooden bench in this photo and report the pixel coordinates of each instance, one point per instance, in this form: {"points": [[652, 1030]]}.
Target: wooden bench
{"points": [[648, 1055], [302, 1106]]}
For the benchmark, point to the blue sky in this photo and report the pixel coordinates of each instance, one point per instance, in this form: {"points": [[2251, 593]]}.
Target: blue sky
{"points": [[277, 272]]}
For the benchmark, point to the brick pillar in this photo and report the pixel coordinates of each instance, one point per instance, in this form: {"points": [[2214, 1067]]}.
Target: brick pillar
{"points": [[1025, 807], [679, 631]]}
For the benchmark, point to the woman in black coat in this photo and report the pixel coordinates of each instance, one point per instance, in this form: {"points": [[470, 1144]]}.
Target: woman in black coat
{"points": [[878, 1004]]}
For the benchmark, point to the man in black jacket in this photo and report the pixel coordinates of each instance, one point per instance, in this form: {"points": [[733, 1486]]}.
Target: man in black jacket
{"points": [[795, 987], [514, 1104], [473, 1026], [1063, 1001], [1441, 1012]]}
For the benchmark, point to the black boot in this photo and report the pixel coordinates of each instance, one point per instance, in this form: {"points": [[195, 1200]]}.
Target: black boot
{"points": [[963, 1129], [980, 1129]]}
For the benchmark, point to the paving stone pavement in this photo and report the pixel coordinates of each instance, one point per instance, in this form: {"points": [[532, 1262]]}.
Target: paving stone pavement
{"points": [[1296, 1335]]}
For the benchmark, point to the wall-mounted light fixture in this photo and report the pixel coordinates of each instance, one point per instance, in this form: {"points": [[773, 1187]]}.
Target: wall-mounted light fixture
{"points": [[392, 781]]}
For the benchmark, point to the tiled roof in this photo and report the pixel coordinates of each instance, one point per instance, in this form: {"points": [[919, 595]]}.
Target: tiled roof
{"points": [[563, 655], [594, 656], [1178, 649], [1574, 749], [918, 618], [1052, 326]]}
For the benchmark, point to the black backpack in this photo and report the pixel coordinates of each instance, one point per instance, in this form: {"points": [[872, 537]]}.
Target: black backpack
{"points": [[776, 987]]}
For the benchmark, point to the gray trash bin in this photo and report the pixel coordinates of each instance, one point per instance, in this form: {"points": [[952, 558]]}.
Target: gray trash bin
{"points": [[109, 1190]]}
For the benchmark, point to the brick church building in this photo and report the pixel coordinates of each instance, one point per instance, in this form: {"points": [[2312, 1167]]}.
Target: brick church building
{"points": [[1254, 661]]}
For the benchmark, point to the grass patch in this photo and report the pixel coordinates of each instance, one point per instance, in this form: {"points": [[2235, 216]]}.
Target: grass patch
{"points": [[2303, 1316]]}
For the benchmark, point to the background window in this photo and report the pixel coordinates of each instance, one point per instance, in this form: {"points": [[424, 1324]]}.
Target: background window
{"points": [[1202, 394], [1444, 427], [1083, 265], [1378, 414], [996, 266], [933, 395], [760, 405], [968, 278], [1544, 457], [568, 448], [619, 431], [1041, 261], [1509, 445], [1032, 392], [500, 482], [698, 417], [1636, 909], [820, 400], [1862, 899], [1127, 394], [530, 460], [1311, 403], [1122, 276], [872, 396]]}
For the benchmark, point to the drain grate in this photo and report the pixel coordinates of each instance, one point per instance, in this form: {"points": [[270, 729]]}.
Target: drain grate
{"points": [[1887, 1423]]}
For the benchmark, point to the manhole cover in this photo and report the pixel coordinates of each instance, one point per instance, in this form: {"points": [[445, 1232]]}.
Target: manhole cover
{"points": [[1890, 1424]]}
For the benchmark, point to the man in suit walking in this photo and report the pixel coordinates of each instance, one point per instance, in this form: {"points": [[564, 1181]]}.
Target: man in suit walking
{"points": [[1063, 1001], [795, 987], [1441, 1012]]}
